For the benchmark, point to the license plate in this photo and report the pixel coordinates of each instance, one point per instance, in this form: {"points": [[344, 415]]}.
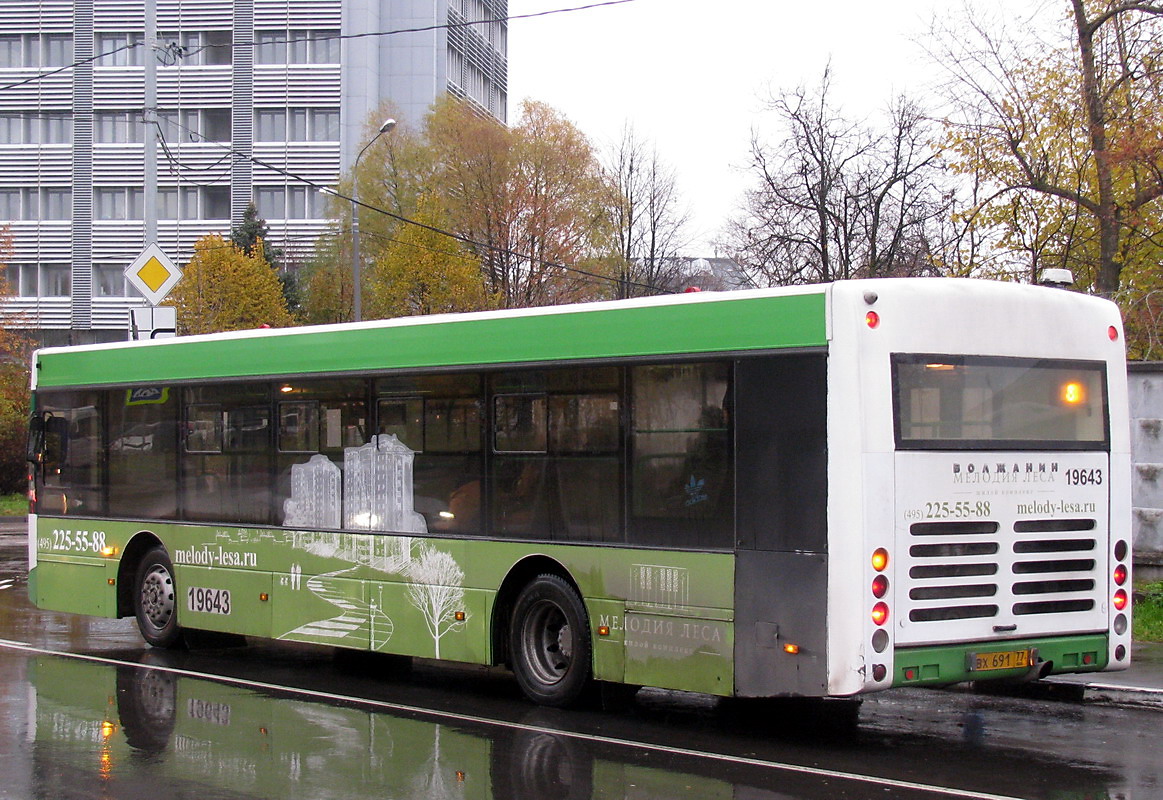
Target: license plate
{"points": [[208, 601], [1001, 659]]}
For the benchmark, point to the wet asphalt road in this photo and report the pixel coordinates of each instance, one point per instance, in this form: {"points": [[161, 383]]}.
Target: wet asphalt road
{"points": [[89, 711]]}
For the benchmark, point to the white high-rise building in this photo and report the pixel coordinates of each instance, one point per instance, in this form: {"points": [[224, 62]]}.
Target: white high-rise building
{"points": [[252, 95]]}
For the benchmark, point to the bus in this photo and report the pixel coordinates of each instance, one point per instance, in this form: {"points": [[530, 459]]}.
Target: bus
{"points": [[816, 491]]}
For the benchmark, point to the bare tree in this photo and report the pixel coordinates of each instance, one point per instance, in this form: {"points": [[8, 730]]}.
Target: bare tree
{"points": [[649, 222], [835, 199]]}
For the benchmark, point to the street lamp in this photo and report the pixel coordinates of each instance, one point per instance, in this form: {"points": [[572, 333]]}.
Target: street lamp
{"points": [[355, 267]]}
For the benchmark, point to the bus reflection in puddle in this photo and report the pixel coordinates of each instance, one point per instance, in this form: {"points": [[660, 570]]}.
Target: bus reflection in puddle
{"points": [[134, 732], [122, 728]]}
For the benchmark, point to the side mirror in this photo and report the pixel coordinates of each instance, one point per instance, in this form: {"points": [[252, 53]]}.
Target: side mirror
{"points": [[35, 451], [48, 439]]}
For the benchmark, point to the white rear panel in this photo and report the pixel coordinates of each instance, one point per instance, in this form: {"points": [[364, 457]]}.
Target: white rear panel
{"points": [[1000, 545]]}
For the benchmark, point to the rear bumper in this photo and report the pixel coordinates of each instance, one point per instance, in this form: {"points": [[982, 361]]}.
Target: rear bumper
{"points": [[931, 666]]}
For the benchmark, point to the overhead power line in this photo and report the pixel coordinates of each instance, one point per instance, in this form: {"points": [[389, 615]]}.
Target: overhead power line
{"points": [[467, 240], [175, 51]]}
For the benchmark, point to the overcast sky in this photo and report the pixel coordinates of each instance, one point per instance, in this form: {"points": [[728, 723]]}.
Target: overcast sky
{"points": [[691, 75]]}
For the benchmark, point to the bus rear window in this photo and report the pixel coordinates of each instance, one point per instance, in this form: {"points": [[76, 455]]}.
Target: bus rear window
{"points": [[946, 402]]}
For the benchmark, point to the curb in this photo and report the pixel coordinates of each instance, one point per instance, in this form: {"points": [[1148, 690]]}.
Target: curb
{"points": [[1117, 695]]}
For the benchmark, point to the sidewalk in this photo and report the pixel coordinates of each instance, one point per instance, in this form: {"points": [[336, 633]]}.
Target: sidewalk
{"points": [[1140, 685]]}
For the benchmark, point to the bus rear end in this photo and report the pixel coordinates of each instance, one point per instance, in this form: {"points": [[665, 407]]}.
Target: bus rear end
{"points": [[989, 425]]}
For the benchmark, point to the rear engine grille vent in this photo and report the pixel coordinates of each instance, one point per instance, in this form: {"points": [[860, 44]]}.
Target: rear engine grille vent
{"points": [[1045, 572], [1053, 525]]}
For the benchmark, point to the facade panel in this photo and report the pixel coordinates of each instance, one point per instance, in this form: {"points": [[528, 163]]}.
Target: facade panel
{"points": [[72, 165]]}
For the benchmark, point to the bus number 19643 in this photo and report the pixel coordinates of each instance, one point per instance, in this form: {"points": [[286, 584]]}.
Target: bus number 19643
{"points": [[208, 601]]}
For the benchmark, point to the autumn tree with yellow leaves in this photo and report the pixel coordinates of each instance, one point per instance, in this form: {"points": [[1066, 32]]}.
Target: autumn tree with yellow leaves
{"points": [[1064, 139], [224, 289], [424, 271], [15, 350], [528, 205]]}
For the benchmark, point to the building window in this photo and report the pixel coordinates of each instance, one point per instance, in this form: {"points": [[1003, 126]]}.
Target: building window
{"points": [[10, 205], [298, 50], [297, 47], [118, 202], [178, 126], [297, 202], [270, 125], [290, 202], [11, 129], [324, 47], [206, 125], [58, 50], [56, 128], [50, 127], [31, 50], [216, 124], [26, 280], [11, 51], [58, 203], [269, 201], [270, 48], [108, 280], [204, 48], [109, 204], [324, 124], [55, 280], [34, 204], [117, 127], [296, 125], [119, 49], [216, 202]]}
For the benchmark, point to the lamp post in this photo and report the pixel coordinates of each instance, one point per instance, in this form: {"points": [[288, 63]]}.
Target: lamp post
{"points": [[357, 299]]}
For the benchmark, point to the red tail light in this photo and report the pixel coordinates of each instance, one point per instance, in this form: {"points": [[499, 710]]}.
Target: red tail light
{"points": [[879, 586], [1120, 599], [1121, 574], [880, 613]]}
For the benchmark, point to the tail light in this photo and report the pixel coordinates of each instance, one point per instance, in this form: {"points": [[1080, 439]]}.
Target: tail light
{"points": [[1120, 599], [880, 610], [31, 492]]}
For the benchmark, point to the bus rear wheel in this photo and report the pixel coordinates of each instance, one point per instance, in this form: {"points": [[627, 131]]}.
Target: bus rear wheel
{"points": [[155, 600], [549, 641]]}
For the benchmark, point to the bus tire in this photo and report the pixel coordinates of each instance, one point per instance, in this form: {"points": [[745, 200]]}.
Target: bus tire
{"points": [[549, 641], [155, 600]]}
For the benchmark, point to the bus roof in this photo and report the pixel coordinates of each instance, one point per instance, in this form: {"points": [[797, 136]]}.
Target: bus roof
{"points": [[702, 322]]}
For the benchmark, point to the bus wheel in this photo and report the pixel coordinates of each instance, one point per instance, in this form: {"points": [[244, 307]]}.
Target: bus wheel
{"points": [[550, 642], [155, 600]]}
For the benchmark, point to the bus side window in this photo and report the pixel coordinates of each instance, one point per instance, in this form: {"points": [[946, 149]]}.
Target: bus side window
{"points": [[682, 472]]}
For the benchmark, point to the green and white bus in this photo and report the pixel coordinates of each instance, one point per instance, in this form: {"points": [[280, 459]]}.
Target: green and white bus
{"points": [[817, 491]]}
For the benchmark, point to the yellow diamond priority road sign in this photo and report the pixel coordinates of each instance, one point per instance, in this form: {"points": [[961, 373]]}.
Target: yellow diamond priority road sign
{"points": [[153, 274]]}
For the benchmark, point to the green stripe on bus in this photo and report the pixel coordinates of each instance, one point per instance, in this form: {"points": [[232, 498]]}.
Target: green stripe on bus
{"points": [[750, 323]]}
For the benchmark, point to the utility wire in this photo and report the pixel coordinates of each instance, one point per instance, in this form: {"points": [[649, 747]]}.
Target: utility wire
{"points": [[423, 29], [175, 51], [75, 64], [467, 240]]}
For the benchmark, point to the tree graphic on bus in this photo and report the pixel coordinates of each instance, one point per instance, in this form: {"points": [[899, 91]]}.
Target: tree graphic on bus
{"points": [[436, 591]]}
